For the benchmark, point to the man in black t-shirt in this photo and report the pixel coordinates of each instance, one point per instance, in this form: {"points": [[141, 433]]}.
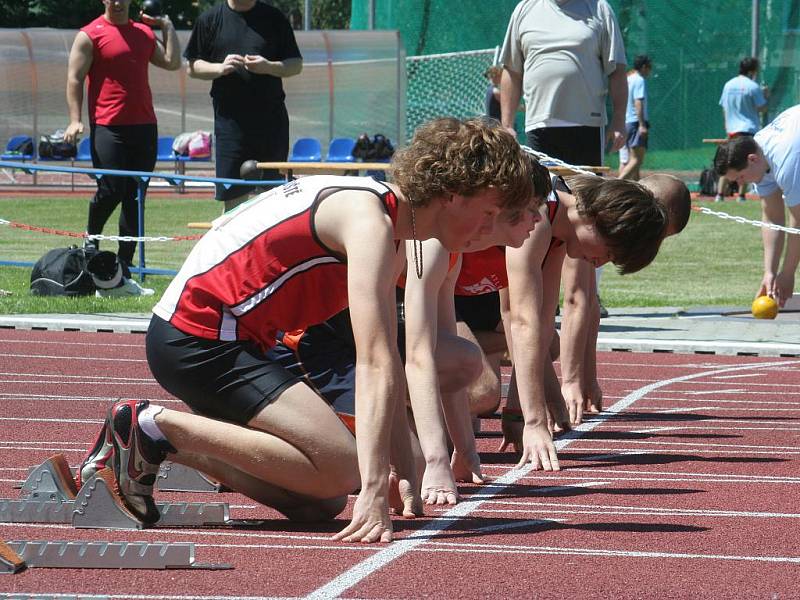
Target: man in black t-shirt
{"points": [[245, 47]]}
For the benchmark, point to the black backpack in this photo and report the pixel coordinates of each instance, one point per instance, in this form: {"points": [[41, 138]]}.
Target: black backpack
{"points": [[708, 182], [62, 272], [53, 146]]}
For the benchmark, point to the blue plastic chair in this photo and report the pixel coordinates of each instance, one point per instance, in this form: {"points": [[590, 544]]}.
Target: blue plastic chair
{"points": [[341, 150], [164, 150], [84, 150], [306, 150], [13, 143]]}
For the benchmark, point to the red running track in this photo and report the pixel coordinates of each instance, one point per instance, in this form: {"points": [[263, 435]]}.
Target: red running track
{"points": [[685, 487]]}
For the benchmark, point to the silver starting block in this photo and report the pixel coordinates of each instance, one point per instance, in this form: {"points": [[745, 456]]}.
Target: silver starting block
{"points": [[98, 506], [16, 555], [51, 480], [173, 477]]}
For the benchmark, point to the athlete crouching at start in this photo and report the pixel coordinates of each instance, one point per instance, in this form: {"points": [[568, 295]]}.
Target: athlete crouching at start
{"points": [[287, 259]]}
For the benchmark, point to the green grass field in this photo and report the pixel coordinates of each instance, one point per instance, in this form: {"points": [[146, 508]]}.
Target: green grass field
{"points": [[713, 262]]}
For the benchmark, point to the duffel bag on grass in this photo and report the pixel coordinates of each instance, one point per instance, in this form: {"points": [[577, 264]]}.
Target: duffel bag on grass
{"points": [[62, 272]]}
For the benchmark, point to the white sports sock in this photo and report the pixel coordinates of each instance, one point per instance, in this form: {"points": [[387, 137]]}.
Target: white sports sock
{"points": [[147, 421]]}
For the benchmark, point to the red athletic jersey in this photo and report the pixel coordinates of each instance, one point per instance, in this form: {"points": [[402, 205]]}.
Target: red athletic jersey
{"points": [[485, 272], [262, 268], [118, 89]]}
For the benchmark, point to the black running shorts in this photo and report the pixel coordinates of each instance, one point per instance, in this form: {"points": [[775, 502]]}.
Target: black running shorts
{"points": [[480, 313], [222, 380]]}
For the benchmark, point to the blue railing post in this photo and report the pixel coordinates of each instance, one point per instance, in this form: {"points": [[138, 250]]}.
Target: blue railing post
{"points": [[140, 191]]}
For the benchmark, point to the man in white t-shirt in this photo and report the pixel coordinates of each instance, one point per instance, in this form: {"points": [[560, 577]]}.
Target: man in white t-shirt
{"points": [[742, 100], [637, 118], [771, 160], [565, 57]]}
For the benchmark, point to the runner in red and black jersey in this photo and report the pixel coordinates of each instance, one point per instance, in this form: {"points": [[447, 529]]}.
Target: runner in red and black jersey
{"points": [[439, 363], [598, 221], [290, 258]]}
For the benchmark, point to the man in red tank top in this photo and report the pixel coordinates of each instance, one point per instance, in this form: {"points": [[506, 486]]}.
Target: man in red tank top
{"points": [[113, 53], [256, 427]]}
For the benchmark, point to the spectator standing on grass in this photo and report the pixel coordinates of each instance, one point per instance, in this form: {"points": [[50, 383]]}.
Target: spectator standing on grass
{"points": [[492, 100], [742, 100], [637, 120], [564, 57], [113, 53], [246, 48], [771, 160]]}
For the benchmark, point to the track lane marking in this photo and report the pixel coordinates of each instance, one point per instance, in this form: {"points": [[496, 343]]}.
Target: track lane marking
{"points": [[396, 549]]}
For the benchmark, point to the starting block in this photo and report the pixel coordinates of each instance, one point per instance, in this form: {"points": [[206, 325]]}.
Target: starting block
{"points": [[97, 505], [16, 555], [51, 480], [173, 477]]}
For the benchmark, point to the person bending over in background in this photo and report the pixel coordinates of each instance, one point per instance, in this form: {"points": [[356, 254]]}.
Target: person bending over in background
{"points": [[771, 160]]}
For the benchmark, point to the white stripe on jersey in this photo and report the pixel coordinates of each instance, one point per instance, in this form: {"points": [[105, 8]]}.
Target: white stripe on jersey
{"points": [[264, 293], [234, 230]]}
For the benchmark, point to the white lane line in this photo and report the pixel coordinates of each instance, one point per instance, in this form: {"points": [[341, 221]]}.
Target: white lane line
{"points": [[108, 399], [97, 359], [40, 420], [83, 596], [650, 429], [108, 380], [11, 443], [557, 489], [748, 401], [83, 377], [697, 383], [783, 427], [687, 479], [367, 567], [681, 451], [519, 525], [63, 343], [524, 506], [728, 391], [739, 409], [703, 444], [745, 376], [61, 449], [696, 475]]}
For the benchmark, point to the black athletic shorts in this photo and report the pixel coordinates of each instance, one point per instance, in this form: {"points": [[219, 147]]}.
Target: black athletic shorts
{"points": [[325, 355], [480, 313], [222, 380], [574, 145], [242, 134]]}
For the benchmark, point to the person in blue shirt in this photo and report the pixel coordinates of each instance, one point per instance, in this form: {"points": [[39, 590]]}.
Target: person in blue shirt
{"points": [[742, 100], [637, 124]]}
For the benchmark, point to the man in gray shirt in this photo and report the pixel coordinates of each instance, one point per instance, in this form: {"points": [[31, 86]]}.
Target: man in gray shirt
{"points": [[565, 55]]}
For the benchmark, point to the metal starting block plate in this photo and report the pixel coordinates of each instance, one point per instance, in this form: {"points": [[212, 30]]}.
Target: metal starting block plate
{"points": [[173, 477], [101, 516], [51, 480], [110, 555]]}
